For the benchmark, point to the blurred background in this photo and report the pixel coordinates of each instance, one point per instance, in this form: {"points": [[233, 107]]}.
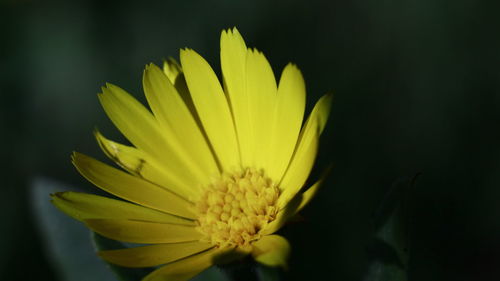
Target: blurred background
{"points": [[417, 89]]}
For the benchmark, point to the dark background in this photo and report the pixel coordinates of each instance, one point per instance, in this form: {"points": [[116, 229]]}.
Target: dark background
{"points": [[416, 86]]}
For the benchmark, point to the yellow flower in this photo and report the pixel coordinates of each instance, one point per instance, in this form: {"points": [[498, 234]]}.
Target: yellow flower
{"points": [[212, 170]]}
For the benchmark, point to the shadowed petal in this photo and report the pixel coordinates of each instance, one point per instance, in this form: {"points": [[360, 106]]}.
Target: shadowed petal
{"points": [[212, 108], [271, 250], [178, 124], [305, 152], [83, 206], [184, 269], [130, 187], [143, 232], [154, 254]]}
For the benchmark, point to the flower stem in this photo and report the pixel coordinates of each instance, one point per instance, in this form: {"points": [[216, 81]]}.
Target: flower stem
{"points": [[243, 270], [249, 270]]}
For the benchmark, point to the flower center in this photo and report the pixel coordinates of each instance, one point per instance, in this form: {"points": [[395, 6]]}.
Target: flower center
{"points": [[236, 207]]}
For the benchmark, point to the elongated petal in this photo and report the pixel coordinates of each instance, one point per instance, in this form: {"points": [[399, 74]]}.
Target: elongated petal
{"points": [[305, 152], [178, 125], [83, 206], [272, 250], [144, 132], [129, 115], [153, 255], [233, 56], [290, 106], [212, 108], [184, 269], [311, 191], [144, 166], [261, 89], [130, 187], [299, 168], [143, 232]]}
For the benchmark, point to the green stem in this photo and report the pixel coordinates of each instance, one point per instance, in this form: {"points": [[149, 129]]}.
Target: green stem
{"points": [[249, 270], [244, 270]]}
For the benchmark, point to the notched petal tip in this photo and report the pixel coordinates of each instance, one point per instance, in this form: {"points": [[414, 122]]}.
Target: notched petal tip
{"points": [[292, 66], [150, 67], [231, 32], [100, 138], [184, 51], [107, 90], [230, 39], [73, 157], [54, 196], [253, 51], [59, 194]]}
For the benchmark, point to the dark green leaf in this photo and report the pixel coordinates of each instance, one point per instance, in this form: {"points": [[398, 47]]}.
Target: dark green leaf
{"points": [[389, 249]]}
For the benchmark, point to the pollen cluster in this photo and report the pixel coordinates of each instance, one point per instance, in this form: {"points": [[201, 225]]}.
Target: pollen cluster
{"points": [[236, 207]]}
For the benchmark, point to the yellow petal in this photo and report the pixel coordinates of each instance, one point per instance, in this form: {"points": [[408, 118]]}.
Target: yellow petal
{"points": [[271, 250], [144, 166], [212, 107], [143, 232], [299, 168], [82, 206], [154, 254], [261, 91], [178, 125], [305, 152], [233, 56], [144, 132], [184, 269], [132, 119], [172, 69], [290, 105], [293, 207], [311, 191], [130, 187]]}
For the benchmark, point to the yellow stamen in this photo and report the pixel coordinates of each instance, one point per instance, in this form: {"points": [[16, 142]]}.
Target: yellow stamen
{"points": [[234, 209]]}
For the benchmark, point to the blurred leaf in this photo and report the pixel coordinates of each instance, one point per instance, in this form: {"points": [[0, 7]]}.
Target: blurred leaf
{"points": [[389, 249], [212, 274], [379, 271], [67, 242]]}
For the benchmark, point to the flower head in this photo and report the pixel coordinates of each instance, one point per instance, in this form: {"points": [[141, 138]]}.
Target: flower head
{"points": [[212, 170]]}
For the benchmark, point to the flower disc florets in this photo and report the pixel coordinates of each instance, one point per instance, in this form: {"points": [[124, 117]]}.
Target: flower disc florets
{"points": [[236, 207]]}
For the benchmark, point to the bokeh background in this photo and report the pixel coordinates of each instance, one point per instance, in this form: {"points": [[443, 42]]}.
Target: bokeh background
{"points": [[417, 89]]}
